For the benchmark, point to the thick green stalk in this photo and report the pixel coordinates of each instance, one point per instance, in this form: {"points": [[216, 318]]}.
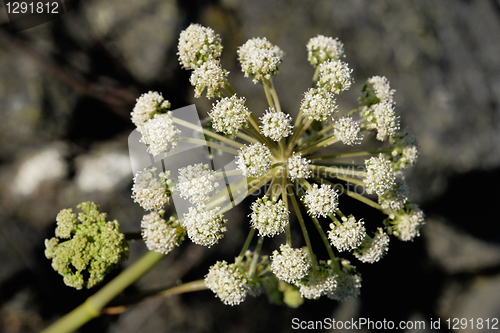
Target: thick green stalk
{"points": [[256, 256], [92, 307]]}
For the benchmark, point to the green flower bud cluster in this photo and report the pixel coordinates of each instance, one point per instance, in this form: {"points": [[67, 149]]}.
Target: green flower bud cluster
{"points": [[92, 249]]}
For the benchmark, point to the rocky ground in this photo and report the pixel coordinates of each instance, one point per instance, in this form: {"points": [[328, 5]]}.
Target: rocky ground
{"points": [[67, 88]]}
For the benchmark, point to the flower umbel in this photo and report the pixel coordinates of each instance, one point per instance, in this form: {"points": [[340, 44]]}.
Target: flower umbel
{"points": [[309, 165]]}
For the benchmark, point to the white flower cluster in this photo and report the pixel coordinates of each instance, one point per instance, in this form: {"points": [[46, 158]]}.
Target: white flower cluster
{"points": [[197, 183], [276, 124], [379, 175], [348, 235], [198, 44], [254, 160], [335, 76], [373, 249], [298, 167], [204, 227], [319, 282], [395, 197], [269, 217], [406, 225], [321, 201], [318, 104], [382, 89], [227, 282], [209, 76], [229, 114], [291, 264], [321, 49], [147, 105], [149, 192], [383, 118], [348, 131], [159, 235], [260, 58], [160, 134]]}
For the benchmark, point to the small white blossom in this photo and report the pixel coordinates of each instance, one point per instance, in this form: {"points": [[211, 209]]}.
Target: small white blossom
{"points": [[159, 235], [321, 201], [298, 167], [348, 131], [269, 217], [383, 118], [150, 192], [254, 160], [379, 175], [160, 134], [395, 197], [198, 44], [321, 49], [373, 249], [229, 114], [318, 104], [227, 282], [211, 76], [319, 282], [382, 88], [406, 225], [146, 106], [260, 58], [276, 125], [197, 182], [204, 227], [335, 76], [291, 264], [349, 235]]}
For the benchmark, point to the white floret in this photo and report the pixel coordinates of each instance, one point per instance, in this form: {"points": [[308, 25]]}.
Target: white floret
{"points": [[276, 125], [335, 76], [318, 104], [229, 114], [198, 44], [321, 201], [259, 58], [321, 49], [160, 134]]}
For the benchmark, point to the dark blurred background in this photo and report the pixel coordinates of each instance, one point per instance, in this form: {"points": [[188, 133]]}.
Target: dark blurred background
{"points": [[67, 88]]}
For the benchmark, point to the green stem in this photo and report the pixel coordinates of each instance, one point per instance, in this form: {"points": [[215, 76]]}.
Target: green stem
{"points": [[304, 230], [316, 136], [229, 88], [353, 111], [274, 94], [92, 307], [245, 246], [247, 138], [296, 136], [256, 256], [209, 144], [268, 94], [284, 197], [325, 239], [206, 132], [319, 145]]}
